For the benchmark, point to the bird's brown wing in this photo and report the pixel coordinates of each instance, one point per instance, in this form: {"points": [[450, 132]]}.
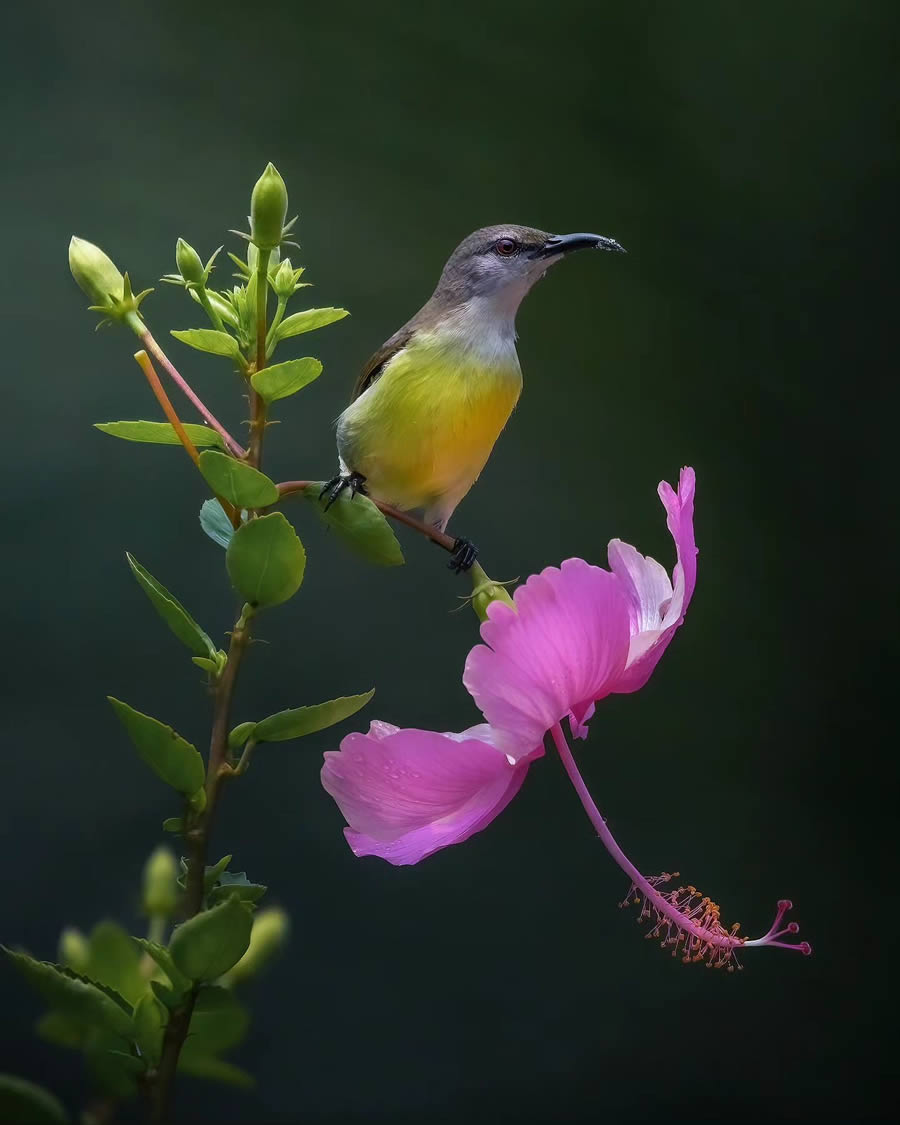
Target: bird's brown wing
{"points": [[380, 359]]}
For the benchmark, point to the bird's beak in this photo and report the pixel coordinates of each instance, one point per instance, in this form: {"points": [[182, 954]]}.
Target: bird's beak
{"points": [[559, 244]]}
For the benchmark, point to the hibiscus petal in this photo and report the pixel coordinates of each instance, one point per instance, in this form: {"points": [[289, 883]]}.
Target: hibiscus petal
{"points": [[407, 793], [643, 581], [564, 647], [646, 582]]}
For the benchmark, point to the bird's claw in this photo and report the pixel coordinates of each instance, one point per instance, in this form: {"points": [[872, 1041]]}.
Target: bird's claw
{"points": [[463, 555], [333, 488]]}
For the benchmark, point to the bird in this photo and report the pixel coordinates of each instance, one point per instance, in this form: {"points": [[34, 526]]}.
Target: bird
{"points": [[429, 405]]}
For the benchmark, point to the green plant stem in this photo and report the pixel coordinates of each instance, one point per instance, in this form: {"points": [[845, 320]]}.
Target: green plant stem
{"points": [[197, 840], [257, 402], [244, 763], [206, 304], [156, 929], [276, 320]]}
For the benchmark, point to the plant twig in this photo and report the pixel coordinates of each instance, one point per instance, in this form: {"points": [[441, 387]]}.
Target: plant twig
{"points": [[158, 354], [286, 488], [197, 839]]}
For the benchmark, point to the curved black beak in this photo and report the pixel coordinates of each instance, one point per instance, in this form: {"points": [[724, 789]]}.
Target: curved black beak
{"points": [[559, 244]]}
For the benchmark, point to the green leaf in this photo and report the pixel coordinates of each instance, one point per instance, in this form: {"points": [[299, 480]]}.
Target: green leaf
{"points": [[216, 1070], [110, 1063], [208, 944], [25, 1103], [115, 961], [215, 523], [131, 1064], [221, 306], [149, 1019], [75, 996], [161, 433], [236, 883], [266, 560], [209, 340], [61, 1031], [357, 521], [284, 379], [219, 1021], [168, 997], [243, 485], [306, 720], [179, 982], [170, 757], [305, 321], [173, 824], [212, 873], [239, 735], [171, 610]]}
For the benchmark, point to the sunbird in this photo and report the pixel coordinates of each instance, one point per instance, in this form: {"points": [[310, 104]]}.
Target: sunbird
{"points": [[431, 402]]}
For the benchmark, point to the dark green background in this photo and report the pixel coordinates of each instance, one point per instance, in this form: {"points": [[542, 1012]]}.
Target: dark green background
{"points": [[745, 155]]}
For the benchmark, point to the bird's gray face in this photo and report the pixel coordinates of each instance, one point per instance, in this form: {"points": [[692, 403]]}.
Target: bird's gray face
{"points": [[504, 262]]}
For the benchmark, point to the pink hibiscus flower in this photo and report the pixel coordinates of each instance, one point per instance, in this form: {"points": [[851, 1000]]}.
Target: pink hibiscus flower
{"points": [[577, 634]]}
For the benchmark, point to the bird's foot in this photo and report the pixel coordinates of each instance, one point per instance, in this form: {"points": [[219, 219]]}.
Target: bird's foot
{"points": [[356, 482], [464, 554]]}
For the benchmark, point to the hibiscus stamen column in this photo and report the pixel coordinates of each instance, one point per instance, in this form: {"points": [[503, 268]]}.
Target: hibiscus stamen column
{"points": [[685, 920]]}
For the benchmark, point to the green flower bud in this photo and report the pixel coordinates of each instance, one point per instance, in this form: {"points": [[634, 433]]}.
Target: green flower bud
{"points": [[485, 590], [111, 291], [283, 281], [269, 934], [189, 264], [286, 280], [95, 273], [160, 887], [268, 209], [74, 949]]}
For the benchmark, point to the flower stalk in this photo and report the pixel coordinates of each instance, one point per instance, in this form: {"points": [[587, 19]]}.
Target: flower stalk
{"points": [[143, 361], [175, 375]]}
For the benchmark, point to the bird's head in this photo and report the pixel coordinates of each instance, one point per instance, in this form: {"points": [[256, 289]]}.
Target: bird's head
{"points": [[503, 262]]}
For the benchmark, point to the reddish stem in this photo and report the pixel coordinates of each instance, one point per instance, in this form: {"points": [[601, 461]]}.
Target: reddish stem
{"points": [[158, 354]]}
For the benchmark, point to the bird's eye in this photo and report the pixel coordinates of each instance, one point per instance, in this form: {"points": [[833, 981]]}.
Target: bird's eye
{"points": [[506, 246]]}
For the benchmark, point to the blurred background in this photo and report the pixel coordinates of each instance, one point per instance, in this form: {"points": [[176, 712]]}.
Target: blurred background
{"points": [[747, 157]]}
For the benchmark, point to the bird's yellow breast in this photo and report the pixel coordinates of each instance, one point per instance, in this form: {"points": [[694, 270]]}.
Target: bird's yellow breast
{"points": [[423, 432]]}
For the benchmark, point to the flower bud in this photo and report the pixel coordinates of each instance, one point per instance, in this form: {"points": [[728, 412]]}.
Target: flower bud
{"points": [[74, 950], [268, 209], [485, 590], [283, 281], [95, 273], [189, 264], [269, 934], [160, 887]]}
